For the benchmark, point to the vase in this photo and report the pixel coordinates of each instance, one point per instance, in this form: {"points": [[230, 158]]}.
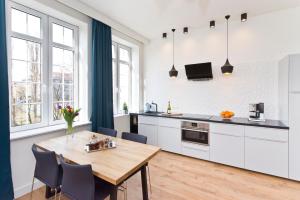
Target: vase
{"points": [[70, 129]]}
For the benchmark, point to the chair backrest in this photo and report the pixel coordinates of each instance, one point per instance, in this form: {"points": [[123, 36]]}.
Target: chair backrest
{"points": [[134, 137], [78, 181], [46, 167], [107, 131]]}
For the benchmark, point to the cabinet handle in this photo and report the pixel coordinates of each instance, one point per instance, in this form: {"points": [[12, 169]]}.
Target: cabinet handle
{"points": [[264, 139], [227, 134]]}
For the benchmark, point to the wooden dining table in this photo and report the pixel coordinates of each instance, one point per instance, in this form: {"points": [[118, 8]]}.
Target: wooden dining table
{"points": [[112, 165]]}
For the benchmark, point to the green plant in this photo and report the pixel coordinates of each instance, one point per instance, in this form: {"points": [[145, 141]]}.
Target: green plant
{"points": [[69, 115], [125, 107]]}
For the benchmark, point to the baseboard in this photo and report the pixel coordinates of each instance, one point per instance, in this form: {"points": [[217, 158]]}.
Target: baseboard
{"points": [[20, 191]]}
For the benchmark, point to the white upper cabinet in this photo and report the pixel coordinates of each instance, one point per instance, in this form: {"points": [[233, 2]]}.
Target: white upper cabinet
{"points": [[294, 73]]}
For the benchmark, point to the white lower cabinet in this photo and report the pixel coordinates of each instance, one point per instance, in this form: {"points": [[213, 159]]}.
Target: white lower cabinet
{"points": [[227, 149], [169, 139], [266, 151], [195, 150], [150, 131]]}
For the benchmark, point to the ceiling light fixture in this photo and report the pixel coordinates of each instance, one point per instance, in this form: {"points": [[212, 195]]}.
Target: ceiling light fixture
{"points": [[227, 68], [244, 17], [185, 30], [212, 24], [164, 35], [173, 72]]}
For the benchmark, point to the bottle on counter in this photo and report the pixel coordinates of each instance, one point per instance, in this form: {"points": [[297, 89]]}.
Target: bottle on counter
{"points": [[169, 108]]}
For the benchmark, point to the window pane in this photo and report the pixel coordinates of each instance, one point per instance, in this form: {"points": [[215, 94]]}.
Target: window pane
{"points": [[19, 115], [124, 85], [68, 76], [34, 26], [34, 113], [57, 92], [113, 51], [19, 93], [57, 33], [19, 49], [68, 58], [19, 71], [68, 37], [57, 74], [34, 73], [68, 92], [124, 55], [18, 21], [58, 56], [56, 112], [33, 93], [34, 52]]}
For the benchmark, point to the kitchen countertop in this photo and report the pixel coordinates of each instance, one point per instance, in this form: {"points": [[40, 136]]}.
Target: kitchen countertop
{"points": [[210, 118]]}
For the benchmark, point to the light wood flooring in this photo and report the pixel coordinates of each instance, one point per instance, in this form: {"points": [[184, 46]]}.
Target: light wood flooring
{"points": [[176, 177]]}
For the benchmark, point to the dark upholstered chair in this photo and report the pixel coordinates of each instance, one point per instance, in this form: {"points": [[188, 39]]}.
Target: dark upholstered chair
{"points": [[107, 131], [47, 170], [134, 137], [140, 139], [79, 183]]}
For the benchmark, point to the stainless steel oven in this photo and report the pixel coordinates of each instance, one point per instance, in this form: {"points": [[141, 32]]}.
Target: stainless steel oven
{"points": [[195, 132]]}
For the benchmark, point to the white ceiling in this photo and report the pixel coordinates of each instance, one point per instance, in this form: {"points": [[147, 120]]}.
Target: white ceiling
{"points": [[152, 17]]}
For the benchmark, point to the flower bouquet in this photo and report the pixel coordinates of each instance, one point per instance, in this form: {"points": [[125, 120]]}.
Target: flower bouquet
{"points": [[69, 115]]}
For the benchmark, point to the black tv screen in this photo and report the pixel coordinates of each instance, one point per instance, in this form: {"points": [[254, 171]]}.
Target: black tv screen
{"points": [[200, 71]]}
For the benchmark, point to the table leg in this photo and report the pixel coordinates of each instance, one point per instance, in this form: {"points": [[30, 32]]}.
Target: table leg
{"points": [[114, 194], [144, 183]]}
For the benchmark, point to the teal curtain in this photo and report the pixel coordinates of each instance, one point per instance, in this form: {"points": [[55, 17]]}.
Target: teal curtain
{"points": [[102, 94], [6, 187]]}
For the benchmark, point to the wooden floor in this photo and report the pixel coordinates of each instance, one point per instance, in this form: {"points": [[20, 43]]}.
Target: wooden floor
{"points": [[177, 177]]}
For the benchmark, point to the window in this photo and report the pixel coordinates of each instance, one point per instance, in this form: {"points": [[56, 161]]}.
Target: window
{"points": [[42, 54], [122, 70]]}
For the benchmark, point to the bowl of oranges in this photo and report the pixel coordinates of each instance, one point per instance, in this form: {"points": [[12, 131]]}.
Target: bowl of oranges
{"points": [[227, 114]]}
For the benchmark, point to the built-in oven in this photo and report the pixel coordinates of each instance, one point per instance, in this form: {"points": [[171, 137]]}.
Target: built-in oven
{"points": [[195, 132]]}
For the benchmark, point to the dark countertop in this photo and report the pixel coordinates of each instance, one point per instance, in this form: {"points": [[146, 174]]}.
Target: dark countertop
{"points": [[209, 118]]}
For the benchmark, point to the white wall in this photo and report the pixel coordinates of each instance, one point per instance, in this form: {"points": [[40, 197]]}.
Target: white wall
{"points": [[255, 49]]}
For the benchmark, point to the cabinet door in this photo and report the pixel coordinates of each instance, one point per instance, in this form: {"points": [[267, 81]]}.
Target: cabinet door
{"points": [[294, 139], [266, 156], [294, 73], [169, 139], [227, 149], [150, 131]]}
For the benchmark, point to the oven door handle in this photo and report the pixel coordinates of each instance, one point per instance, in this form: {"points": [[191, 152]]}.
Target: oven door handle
{"points": [[195, 130]]}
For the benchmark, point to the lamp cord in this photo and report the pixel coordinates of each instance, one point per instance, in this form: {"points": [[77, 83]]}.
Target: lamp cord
{"points": [[173, 49], [227, 38]]}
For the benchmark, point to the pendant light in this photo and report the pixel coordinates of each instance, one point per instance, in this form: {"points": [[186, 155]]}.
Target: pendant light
{"points": [[227, 68], [173, 72]]}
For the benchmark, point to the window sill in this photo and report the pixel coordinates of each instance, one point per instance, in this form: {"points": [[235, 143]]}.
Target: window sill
{"points": [[44, 130]]}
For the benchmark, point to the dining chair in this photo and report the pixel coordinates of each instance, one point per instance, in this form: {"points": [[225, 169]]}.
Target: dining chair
{"points": [[79, 183], [47, 170], [140, 139], [107, 131]]}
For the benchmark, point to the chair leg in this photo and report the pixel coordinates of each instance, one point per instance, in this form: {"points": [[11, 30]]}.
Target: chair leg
{"points": [[32, 184], [55, 193], [150, 186]]}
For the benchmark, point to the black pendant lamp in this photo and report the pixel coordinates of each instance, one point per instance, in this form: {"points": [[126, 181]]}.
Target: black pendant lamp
{"points": [[173, 72], [227, 68]]}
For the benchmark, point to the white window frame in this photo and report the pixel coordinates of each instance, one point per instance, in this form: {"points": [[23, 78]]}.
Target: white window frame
{"points": [[117, 108], [75, 62], [46, 63]]}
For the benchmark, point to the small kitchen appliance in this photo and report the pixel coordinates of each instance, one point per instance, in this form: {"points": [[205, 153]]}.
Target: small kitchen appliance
{"points": [[256, 112]]}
